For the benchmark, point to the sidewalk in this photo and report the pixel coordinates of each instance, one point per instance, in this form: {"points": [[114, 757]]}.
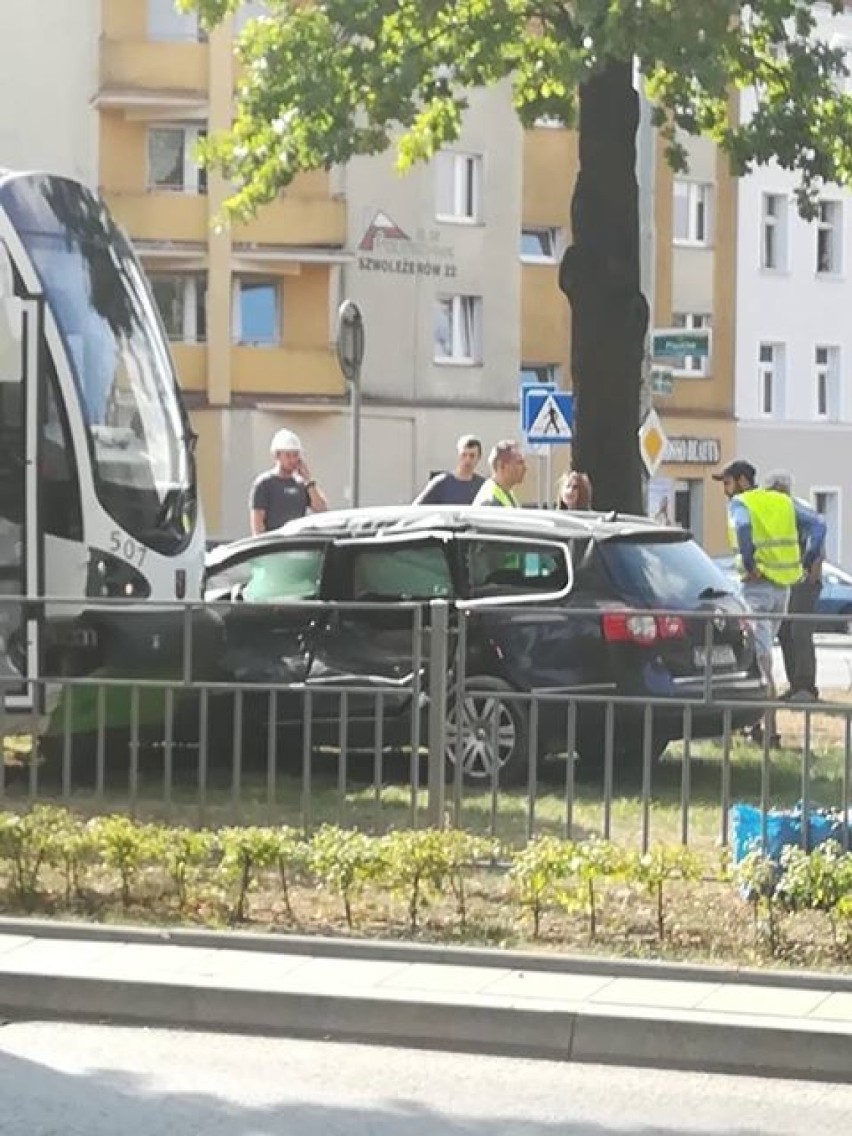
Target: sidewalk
{"points": [[576, 1009]]}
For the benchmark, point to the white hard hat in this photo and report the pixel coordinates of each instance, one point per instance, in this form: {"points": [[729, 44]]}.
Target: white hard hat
{"points": [[285, 440]]}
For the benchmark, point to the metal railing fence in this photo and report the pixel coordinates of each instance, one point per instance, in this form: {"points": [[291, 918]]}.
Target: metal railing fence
{"points": [[202, 744]]}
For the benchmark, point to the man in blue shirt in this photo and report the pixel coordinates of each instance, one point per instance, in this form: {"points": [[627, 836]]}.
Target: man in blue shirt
{"points": [[797, 636], [461, 486]]}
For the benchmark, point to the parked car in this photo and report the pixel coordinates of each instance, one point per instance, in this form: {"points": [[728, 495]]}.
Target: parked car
{"points": [[559, 602], [835, 598]]}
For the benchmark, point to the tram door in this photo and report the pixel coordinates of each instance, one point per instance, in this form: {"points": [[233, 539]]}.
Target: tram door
{"points": [[20, 574]]}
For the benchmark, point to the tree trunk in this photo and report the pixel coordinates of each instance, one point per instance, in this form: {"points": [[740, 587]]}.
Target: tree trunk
{"points": [[600, 275]]}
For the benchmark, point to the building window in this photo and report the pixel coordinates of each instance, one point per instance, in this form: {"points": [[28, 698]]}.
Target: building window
{"points": [[257, 313], [167, 25], [459, 186], [182, 302], [541, 244], [171, 159], [773, 239], [695, 365], [541, 373], [829, 235], [458, 329], [827, 382], [771, 380], [692, 212]]}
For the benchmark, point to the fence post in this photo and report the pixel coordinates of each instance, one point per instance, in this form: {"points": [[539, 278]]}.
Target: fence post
{"points": [[439, 635]]}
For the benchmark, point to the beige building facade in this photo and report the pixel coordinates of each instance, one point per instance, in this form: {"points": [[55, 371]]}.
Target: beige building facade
{"points": [[454, 267], [695, 237]]}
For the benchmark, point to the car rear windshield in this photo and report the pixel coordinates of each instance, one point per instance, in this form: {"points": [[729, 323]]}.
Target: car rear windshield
{"points": [[676, 574]]}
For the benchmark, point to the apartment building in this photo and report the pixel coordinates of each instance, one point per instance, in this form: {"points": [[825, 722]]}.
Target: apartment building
{"points": [[794, 336], [454, 265], [249, 308]]}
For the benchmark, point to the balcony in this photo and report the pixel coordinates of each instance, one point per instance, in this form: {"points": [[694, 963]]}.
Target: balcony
{"points": [[295, 220], [139, 74], [286, 371], [158, 216], [191, 365]]}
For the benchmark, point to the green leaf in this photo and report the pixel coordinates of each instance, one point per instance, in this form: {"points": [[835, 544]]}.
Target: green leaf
{"points": [[324, 81]]}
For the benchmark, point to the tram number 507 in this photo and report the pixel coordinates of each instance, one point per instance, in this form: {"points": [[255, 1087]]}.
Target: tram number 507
{"points": [[126, 547]]}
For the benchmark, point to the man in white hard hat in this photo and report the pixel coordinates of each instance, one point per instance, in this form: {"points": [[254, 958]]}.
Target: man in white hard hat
{"points": [[287, 491]]}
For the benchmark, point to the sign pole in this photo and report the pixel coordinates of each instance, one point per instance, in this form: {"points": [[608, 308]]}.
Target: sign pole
{"points": [[350, 356], [548, 488], [355, 441]]}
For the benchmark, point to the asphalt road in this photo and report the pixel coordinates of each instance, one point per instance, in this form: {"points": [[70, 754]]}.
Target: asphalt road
{"points": [[72, 1080]]}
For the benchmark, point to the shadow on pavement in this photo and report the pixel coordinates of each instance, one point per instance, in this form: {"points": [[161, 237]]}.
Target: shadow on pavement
{"points": [[62, 1096]]}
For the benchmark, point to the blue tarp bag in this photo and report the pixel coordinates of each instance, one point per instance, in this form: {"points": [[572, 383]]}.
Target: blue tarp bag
{"points": [[783, 829]]}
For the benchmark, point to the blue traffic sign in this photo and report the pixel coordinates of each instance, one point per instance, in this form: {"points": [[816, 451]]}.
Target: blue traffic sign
{"points": [[550, 417], [525, 389]]}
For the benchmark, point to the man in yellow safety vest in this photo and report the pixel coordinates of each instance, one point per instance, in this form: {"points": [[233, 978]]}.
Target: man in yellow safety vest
{"points": [[508, 468], [775, 543]]}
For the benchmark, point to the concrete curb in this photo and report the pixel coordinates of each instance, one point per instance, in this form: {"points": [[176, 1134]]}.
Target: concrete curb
{"points": [[620, 1037], [384, 950]]}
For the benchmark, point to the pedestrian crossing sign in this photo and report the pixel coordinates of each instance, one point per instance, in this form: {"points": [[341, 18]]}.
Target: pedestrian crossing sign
{"points": [[550, 415]]}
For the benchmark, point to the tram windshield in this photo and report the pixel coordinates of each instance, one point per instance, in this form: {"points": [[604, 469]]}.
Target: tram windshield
{"points": [[139, 435]]}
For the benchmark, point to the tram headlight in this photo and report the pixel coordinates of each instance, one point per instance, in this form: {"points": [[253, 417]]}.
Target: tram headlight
{"points": [[111, 578]]}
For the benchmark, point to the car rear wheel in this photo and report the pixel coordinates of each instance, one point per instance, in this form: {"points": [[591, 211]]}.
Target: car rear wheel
{"points": [[494, 736]]}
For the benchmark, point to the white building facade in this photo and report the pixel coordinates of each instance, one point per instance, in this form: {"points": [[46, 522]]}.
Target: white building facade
{"points": [[48, 73], [794, 334]]}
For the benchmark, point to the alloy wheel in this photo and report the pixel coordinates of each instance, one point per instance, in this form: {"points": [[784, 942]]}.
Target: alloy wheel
{"points": [[486, 720]]}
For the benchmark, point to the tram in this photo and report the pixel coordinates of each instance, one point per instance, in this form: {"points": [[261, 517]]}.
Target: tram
{"points": [[98, 492]]}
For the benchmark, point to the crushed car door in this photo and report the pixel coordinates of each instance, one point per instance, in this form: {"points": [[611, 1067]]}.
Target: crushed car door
{"points": [[385, 584], [268, 602]]}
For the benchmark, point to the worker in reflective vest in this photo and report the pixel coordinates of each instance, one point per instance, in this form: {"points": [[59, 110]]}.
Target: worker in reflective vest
{"points": [[774, 542], [508, 468]]}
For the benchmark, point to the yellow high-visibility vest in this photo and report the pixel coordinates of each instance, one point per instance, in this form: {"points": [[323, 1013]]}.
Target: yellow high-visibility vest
{"points": [[491, 492], [774, 535]]}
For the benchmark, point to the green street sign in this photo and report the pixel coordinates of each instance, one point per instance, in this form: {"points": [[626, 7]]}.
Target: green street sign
{"points": [[674, 342]]}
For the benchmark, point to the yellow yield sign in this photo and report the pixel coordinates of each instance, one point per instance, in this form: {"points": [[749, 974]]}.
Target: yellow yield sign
{"points": [[652, 442]]}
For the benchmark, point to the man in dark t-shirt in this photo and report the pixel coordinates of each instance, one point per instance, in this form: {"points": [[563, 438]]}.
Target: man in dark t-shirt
{"points": [[287, 491], [461, 486]]}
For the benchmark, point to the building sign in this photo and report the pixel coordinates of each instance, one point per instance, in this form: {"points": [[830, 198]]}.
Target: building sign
{"points": [[386, 248], [669, 342], [694, 451]]}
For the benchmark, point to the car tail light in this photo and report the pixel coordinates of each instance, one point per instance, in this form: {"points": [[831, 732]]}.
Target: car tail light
{"points": [[670, 627], [624, 627]]}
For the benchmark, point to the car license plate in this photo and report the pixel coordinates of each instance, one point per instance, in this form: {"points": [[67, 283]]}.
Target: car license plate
{"points": [[721, 655]]}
